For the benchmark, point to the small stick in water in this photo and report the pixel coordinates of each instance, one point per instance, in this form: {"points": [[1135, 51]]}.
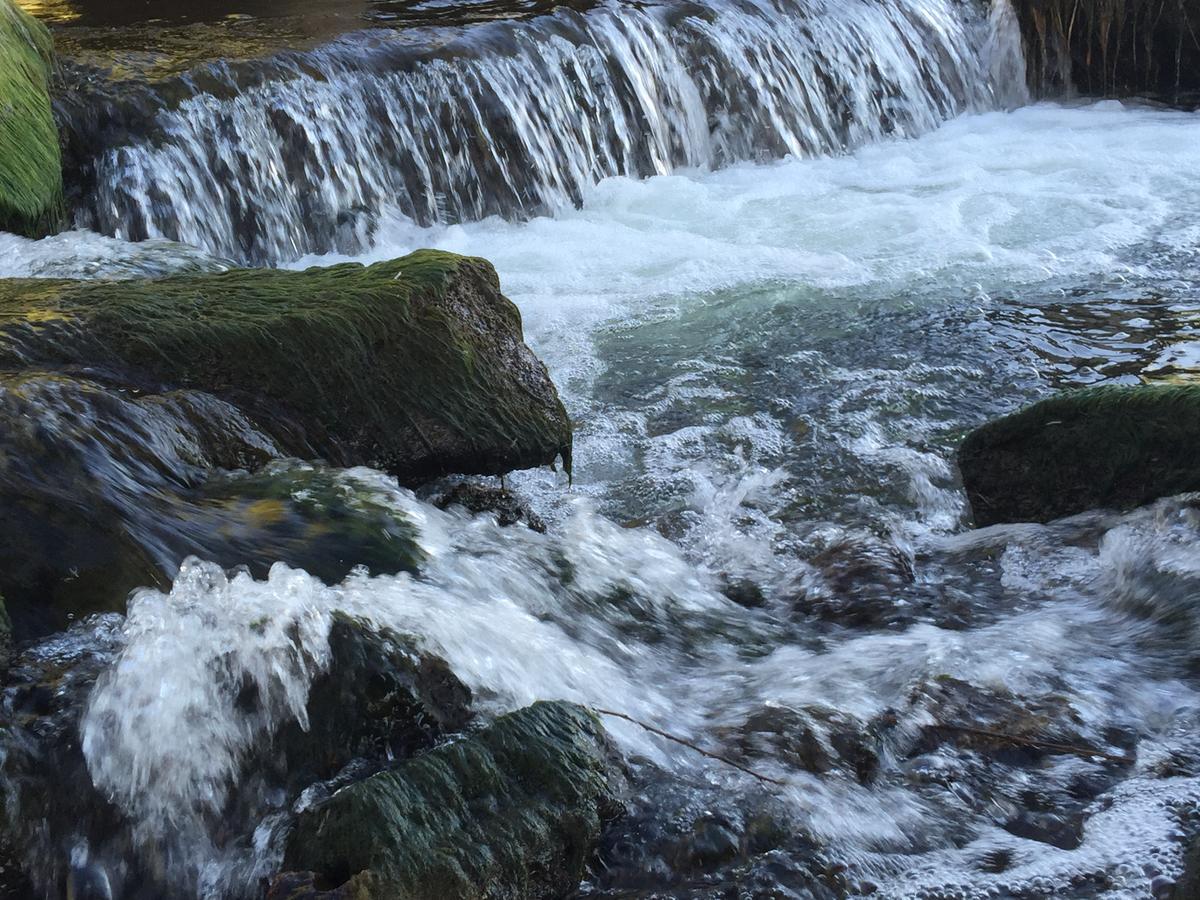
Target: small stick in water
{"points": [[690, 745]]}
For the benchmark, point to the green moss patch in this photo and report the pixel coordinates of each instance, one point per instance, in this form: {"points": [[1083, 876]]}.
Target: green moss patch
{"points": [[514, 811], [31, 186], [1106, 447], [416, 366]]}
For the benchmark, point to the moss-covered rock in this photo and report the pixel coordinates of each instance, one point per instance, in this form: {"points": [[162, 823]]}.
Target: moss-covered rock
{"points": [[124, 406], [102, 493], [1112, 47], [31, 184], [416, 366], [318, 519], [1112, 446], [514, 812]]}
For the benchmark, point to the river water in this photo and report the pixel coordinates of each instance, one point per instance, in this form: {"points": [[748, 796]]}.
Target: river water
{"points": [[770, 359]]}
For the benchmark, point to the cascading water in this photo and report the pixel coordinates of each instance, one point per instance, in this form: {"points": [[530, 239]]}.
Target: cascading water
{"points": [[769, 363], [520, 119]]}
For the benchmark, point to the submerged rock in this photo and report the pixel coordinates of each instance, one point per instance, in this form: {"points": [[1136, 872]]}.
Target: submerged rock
{"points": [[1102, 447], [515, 811], [104, 494], [1112, 47], [696, 837], [380, 699], [857, 580], [31, 183], [815, 739]]}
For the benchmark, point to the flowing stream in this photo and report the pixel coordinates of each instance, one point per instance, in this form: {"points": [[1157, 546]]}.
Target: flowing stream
{"points": [[779, 257]]}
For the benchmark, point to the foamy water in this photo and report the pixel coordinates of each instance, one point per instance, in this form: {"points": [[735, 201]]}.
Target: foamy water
{"points": [[988, 202], [636, 628], [764, 363]]}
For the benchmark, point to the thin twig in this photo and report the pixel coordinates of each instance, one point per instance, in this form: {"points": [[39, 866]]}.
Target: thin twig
{"points": [[690, 745], [1037, 744]]}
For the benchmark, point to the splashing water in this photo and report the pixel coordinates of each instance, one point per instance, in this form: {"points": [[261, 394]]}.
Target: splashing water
{"points": [[637, 628], [519, 119]]}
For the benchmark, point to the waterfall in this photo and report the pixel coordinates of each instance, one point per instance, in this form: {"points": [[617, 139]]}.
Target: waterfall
{"points": [[519, 118]]}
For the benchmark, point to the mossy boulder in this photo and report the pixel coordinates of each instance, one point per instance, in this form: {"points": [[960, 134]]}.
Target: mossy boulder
{"points": [[1106, 447], [1109, 48], [415, 366], [513, 812], [136, 419], [31, 183]]}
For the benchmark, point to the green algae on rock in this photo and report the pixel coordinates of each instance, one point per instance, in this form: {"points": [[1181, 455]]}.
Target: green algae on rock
{"points": [[514, 811], [415, 366], [1104, 447], [31, 184], [129, 410]]}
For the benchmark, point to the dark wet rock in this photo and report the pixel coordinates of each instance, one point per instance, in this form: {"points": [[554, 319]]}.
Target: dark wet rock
{"points": [[1188, 885], [1064, 831], [50, 805], [31, 182], [507, 507], [1177, 764], [6, 638], [307, 886], [514, 811], [1112, 446], [689, 838], [743, 592], [1112, 48], [814, 739], [859, 581], [415, 366], [380, 700]]}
